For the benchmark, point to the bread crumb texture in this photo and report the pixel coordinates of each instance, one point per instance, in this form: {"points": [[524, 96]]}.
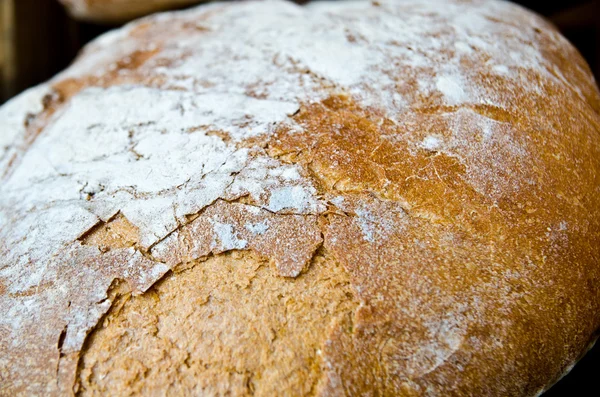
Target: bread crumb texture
{"points": [[342, 198]]}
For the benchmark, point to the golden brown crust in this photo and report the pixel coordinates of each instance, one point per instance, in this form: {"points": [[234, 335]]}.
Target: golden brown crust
{"points": [[226, 325], [430, 217]]}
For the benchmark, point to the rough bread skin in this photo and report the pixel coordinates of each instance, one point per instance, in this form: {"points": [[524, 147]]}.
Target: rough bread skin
{"points": [[115, 11], [349, 198]]}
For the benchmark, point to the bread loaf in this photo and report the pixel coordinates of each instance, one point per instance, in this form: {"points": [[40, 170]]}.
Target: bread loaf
{"points": [[115, 11], [343, 198]]}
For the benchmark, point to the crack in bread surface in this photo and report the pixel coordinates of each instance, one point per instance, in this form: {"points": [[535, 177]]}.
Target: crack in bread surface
{"points": [[227, 325], [451, 173], [118, 232]]}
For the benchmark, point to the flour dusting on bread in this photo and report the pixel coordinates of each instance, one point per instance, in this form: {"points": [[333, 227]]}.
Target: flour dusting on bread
{"points": [[418, 151]]}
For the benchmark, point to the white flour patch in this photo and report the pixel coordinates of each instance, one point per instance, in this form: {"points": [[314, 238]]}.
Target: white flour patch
{"points": [[226, 238], [452, 89], [257, 228], [296, 198], [431, 142]]}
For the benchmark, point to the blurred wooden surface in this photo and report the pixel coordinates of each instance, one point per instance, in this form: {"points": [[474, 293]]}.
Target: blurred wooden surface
{"points": [[38, 40], [6, 40]]}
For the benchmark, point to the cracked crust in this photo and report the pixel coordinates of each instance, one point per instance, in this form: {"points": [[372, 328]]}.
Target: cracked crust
{"points": [[226, 325], [411, 186]]}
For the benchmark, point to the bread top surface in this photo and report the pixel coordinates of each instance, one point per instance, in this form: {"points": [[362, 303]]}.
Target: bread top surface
{"points": [[444, 154]]}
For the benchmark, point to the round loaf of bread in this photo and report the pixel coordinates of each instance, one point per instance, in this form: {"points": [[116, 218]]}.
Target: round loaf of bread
{"points": [[115, 11], [344, 198]]}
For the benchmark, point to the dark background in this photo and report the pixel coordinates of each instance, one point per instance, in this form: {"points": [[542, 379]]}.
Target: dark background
{"points": [[38, 39]]}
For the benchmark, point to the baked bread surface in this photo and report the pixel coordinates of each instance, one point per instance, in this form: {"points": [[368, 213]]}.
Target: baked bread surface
{"points": [[345, 198]]}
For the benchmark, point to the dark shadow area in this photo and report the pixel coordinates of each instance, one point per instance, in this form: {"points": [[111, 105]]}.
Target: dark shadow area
{"points": [[581, 381]]}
